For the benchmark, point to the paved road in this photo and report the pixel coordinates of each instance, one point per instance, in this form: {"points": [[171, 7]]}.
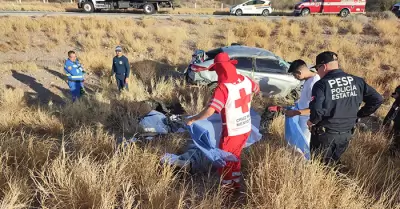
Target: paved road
{"points": [[124, 14]]}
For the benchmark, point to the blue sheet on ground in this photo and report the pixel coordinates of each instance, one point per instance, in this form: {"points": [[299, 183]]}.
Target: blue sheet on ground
{"points": [[294, 136], [206, 135], [154, 122]]}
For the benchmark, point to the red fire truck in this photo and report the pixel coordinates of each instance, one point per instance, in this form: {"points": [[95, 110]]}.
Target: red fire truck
{"points": [[341, 7]]}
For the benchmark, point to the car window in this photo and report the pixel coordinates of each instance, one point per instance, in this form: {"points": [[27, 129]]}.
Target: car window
{"points": [[212, 53], [260, 2], [244, 63], [251, 2], [268, 65]]}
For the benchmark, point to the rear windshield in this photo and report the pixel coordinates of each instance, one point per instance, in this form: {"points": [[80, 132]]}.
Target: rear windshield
{"points": [[212, 53]]}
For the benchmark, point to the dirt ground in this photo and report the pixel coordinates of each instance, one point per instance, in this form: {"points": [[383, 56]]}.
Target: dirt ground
{"points": [[47, 81]]}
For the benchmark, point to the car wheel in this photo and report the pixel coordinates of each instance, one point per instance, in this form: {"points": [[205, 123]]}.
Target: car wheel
{"points": [[305, 12], [344, 13], [88, 7], [149, 9], [239, 12], [265, 12]]}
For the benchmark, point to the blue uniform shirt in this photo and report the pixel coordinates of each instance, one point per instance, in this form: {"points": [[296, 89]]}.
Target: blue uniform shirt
{"points": [[73, 70], [336, 100], [121, 67]]}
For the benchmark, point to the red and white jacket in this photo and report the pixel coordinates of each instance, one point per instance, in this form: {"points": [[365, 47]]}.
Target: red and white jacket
{"points": [[233, 101]]}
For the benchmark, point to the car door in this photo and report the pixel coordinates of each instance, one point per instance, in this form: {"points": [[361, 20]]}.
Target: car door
{"points": [[248, 7], [316, 6], [259, 7], [273, 78]]}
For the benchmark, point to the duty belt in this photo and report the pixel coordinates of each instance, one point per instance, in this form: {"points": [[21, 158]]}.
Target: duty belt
{"points": [[320, 130]]}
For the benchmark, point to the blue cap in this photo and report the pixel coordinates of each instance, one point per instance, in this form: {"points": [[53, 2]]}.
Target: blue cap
{"points": [[118, 48]]}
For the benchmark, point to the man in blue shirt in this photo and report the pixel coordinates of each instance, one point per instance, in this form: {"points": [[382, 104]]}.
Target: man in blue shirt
{"points": [[121, 69], [75, 74]]}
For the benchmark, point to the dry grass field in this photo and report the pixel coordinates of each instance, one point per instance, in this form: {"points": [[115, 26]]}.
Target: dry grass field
{"points": [[64, 155]]}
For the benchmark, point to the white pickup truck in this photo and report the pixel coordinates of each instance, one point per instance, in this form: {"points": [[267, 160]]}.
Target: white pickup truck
{"points": [[148, 6]]}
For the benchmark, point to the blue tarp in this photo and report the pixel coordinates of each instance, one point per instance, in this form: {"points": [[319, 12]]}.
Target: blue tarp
{"points": [[154, 122], [294, 135], [206, 135]]}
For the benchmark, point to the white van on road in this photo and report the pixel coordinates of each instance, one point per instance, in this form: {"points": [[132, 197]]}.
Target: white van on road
{"points": [[252, 7]]}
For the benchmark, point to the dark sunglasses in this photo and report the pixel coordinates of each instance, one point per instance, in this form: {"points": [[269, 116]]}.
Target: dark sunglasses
{"points": [[318, 66]]}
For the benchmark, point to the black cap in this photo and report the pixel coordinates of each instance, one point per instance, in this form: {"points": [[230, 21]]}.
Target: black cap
{"points": [[325, 57]]}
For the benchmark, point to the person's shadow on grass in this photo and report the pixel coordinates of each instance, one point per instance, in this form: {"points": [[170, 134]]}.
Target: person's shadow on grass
{"points": [[42, 95]]}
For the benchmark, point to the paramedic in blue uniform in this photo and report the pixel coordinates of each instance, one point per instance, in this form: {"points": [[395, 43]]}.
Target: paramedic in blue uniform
{"points": [[334, 107], [75, 74], [121, 69]]}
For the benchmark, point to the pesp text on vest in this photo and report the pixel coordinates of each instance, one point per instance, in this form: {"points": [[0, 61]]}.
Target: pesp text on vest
{"points": [[342, 87]]}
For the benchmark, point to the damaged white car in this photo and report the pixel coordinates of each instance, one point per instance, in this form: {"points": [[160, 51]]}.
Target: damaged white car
{"points": [[267, 69]]}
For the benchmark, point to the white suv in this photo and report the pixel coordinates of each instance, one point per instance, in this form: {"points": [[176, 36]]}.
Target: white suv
{"points": [[252, 7]]}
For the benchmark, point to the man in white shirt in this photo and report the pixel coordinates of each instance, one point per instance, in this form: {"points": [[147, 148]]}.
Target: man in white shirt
{"points": [[300, 71]]}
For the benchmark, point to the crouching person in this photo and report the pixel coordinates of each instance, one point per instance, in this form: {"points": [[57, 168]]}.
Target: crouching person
{"points": [[394, 115], [232, 99]]}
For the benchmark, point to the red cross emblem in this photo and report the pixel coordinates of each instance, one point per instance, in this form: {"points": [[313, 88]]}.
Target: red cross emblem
{"points": [[243, 101]]}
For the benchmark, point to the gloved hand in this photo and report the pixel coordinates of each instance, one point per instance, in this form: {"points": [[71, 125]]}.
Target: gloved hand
{"points": [[274, 108], [360, 125]]}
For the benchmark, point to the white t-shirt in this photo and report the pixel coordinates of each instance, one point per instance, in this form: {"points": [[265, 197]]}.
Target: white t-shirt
{"points": [[305, 95]]}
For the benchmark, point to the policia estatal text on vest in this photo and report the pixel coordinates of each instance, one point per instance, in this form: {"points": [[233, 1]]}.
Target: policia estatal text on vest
{"points": [[334, 107]]}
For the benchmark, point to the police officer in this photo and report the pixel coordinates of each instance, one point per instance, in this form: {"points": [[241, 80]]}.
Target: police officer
{"points": [[75, 74], [121, 69], [394, 115], [334, 107]]}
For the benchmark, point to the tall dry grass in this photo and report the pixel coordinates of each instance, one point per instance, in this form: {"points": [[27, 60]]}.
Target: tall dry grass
{"points": [[68, 157]]}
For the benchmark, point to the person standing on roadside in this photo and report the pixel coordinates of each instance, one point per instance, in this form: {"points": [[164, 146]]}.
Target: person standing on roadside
{"points": [[75, 75], [121, 69], [334, 107], [232, 98], [301, 72]]}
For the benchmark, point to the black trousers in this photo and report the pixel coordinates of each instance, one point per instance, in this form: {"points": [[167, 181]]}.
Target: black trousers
{"points": [[121, 83], [395, 133], [330, 145]]}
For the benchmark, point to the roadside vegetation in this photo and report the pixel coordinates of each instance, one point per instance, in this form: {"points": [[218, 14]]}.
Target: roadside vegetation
{"points": [[54, 156], [207, 7], [187, 8]]}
